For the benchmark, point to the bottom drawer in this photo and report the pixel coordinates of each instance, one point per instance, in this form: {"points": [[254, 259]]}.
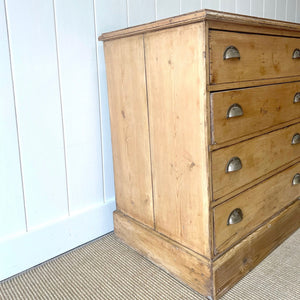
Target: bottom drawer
{"points": [[240, 215]]}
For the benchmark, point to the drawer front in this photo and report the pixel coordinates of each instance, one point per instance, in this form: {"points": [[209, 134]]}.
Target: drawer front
{"points": [[241, 112], [240, 164], [254, 206], [261, 57]]}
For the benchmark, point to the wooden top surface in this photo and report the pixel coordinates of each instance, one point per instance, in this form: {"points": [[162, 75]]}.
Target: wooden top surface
{"points": [[200, 16]]}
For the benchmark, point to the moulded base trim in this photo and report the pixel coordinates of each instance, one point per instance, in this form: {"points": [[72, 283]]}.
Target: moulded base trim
{"points": [[211, 278]]}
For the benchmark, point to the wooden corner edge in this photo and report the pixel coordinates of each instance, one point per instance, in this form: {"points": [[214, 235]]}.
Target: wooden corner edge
{"points": [[187, 266], [242, 258]]}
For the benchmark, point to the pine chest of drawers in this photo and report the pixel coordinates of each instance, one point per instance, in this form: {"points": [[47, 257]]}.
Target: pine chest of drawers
{"points": [[205, 120]]}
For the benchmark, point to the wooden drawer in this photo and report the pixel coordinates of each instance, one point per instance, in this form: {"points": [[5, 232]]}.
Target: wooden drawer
{"points": [[241, 112], [258, 157], [261, 57], [257, 205]]}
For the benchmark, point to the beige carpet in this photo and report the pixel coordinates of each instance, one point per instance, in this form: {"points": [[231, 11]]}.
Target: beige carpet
{"points": [[108, 269]]}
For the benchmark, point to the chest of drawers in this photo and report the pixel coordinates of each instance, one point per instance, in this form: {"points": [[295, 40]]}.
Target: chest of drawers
{"points": [[205, 121]]}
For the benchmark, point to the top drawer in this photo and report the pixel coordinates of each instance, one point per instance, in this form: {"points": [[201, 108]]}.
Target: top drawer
{"points": [[260, 57]]}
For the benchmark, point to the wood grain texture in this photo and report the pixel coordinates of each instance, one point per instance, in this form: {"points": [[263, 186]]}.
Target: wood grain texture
{"points": [[261, 57], [187, 114], [215, 18], [262, 26], [275, 150], [185, 265], [129, 122], [214, 147], [236, 263], [251, 83], [263, 107], [251, 184], [179, 134], [257, 204]]}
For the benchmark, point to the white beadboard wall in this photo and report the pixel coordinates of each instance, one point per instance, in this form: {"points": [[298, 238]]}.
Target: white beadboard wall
{"points": [[56, 169]]}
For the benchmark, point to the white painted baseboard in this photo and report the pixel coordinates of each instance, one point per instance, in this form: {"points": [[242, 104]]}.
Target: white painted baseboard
{"points": [[28, 249]]}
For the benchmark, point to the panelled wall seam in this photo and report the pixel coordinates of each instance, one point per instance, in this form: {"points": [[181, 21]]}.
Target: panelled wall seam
{"points": [[61, 106], [16, 118], [100, 102]]}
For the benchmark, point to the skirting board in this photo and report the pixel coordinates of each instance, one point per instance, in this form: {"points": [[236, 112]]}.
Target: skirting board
{"points": [[28, 249], [210, 278]]}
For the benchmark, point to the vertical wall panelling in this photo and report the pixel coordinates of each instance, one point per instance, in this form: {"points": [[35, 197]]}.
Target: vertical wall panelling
{"points": [[243, 7], [227, 5], [12, 212], [34, 65], [269, 9], [190, 5], [257, 8], [61, 108], [298, 11], [79, 93], [280, 12], [167, 8], [55, 80], [111, 15], [291, 10], [140, 12], [211, 4]]}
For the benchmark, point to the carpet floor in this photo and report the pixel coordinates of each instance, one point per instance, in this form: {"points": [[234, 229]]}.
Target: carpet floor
{"points": [[108, 269]]}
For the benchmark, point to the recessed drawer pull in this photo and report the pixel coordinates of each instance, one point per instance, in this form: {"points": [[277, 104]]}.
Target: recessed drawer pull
{"points": [[296, 139], [297, 98], [231, 52], [296, 179], [235, 110], [296, 53], [233, 165], [236, 216]]}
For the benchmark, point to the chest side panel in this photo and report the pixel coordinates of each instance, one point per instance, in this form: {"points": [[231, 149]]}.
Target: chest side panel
{"points": [[129, 122], [176, 81]]}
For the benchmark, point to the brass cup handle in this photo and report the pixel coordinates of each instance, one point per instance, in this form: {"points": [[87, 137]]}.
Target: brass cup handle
{"points": [[296, 179], [236, 216], [296, 54], [233, 165], [235, 110], [231, 52], [296, 139], [297, 98]]}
